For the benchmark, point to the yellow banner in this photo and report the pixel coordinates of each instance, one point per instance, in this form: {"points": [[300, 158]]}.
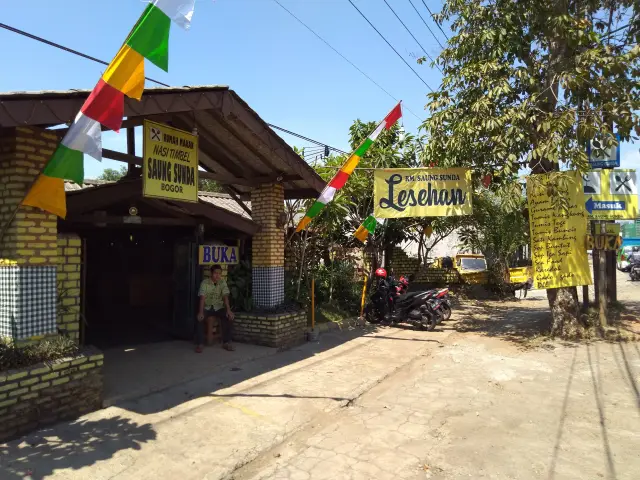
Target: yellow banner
{"points": [[422, 192], [558, 237], [170, 167], [611, 194], [217, 255]]}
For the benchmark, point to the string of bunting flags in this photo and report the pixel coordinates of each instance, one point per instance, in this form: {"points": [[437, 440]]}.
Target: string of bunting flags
{"points": [[367, 227], [340, 178], [148, 39]]}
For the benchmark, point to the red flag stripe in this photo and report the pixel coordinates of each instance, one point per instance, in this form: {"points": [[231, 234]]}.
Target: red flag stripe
{"points": [[393, 116], [339, 180], [105, 105]]}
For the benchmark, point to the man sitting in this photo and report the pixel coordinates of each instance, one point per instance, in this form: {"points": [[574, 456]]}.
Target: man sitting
{"points": [[214, 302]]}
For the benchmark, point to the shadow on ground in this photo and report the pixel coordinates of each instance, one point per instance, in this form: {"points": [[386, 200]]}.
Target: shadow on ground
{"points": [[232, 375], [517, 321], [70, 446]]}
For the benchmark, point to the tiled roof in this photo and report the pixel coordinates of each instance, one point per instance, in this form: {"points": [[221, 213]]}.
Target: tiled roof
{"points": [[220, 200]]}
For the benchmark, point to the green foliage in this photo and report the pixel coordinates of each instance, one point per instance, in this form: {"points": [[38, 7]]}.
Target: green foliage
{"points": [[533, 82], [336, 284], [354, 202], [239, 280], [496, 230], [206, 185], [47, 350], [112, 175]]}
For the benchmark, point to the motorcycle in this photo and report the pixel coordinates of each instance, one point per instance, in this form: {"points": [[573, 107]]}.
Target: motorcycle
{"points": [[421, 309], [634, 272], [442, 295]]}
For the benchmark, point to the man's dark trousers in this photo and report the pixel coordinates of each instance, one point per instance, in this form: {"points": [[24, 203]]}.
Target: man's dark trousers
{"points": [[223, 321]]}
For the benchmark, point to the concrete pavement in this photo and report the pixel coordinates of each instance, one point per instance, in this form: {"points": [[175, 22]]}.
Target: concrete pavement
{"points": [[480, 407], [472, 403], [208, 428]]}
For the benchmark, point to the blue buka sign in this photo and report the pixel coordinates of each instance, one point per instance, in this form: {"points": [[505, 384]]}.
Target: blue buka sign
{"points": [[217, 255], [604, 157]]}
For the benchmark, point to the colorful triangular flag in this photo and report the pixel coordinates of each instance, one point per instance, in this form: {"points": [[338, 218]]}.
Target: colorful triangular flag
{"points": [[340, 178], [124, 76]]}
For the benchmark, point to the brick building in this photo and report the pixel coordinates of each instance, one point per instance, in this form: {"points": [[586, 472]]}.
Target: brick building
{"points": [[124, 275]]}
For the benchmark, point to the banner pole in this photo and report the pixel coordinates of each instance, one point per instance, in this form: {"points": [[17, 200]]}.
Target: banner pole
{"points": [[364, 292]]}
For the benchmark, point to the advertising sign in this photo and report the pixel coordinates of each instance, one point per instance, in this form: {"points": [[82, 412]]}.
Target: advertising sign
{"points": [[170, 167], [611, 194], [217, 255], [606, 157], [558, 237], [422, 192], [603, 242]]}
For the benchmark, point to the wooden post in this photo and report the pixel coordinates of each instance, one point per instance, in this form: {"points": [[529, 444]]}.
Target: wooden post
{"points": [[364, 293], [313, 303], [585, 297], [131, 147], [602, 283]]}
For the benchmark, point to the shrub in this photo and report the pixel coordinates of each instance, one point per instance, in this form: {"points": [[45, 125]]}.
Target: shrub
{"points": [[12, 356]]}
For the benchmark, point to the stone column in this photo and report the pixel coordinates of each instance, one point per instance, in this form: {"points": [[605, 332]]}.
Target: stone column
{"points": [[29, 248], [267, 206]]}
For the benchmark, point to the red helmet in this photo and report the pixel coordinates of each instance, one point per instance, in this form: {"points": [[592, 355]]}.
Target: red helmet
{"points": [[403, 280], [381, 272]]}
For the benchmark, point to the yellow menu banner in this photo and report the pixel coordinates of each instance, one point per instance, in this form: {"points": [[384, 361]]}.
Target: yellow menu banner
{"points": [[422, 192], [170, 167], [558, 236]]}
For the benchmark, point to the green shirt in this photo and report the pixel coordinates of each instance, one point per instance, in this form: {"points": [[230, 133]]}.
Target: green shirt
{"points": [[213, 293]]}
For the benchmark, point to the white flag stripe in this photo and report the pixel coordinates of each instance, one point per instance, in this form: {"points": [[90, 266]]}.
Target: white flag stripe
{"points": [[180, 11], [377, 131], [327, 195], [84, 135]]}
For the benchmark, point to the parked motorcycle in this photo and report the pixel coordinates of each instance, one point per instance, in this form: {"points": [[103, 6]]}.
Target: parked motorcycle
{"points": [[634, 272], [442, 295], [391, 304]]}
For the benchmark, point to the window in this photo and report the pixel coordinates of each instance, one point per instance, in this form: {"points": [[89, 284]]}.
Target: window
{"points": [[473, 264]]}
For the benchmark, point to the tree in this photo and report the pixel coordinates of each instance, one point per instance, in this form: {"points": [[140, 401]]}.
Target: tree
{"points": [[112, 175], [495, 230], [209, 186], [530, 83], [354, 202]]}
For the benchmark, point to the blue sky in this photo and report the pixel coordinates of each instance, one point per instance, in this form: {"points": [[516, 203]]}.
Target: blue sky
{"points": [[282, 70]]}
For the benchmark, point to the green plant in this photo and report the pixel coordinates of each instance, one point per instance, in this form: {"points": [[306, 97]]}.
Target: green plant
{"points": [[12, 356], [239, 280]]}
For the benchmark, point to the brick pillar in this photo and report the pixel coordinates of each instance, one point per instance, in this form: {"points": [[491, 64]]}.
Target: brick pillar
{"points": [[29, 248], [69, 278], [267, 205]]}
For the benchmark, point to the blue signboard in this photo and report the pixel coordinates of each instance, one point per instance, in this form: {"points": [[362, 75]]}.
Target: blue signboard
{"points": [[607, 158]]}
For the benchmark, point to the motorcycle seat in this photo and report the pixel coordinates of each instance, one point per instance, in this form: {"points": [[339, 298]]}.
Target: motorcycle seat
{"points": [[406, 296]]}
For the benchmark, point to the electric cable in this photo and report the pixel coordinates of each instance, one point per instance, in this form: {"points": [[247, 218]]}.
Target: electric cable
{"points": [[391, 46]]}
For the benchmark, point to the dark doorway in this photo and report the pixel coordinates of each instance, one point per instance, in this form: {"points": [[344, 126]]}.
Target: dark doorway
{"points": [[132, 276]]}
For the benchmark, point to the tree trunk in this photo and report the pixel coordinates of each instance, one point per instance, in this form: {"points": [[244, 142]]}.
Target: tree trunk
{"points": [[565, 313]]}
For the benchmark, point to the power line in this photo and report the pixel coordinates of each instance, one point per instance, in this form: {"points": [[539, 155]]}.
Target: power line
{"points": [[414, 37], [97, 60], [392, 48], [425, 23], [66, 49], [306, 138], [341, 55], [434, 21]]}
